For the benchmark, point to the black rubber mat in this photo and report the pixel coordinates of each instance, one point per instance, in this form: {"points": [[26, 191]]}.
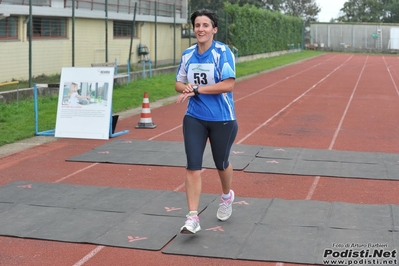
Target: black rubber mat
{"points": [[163, 153], [330, 163], [145, 219], [255, 159], [292, 231], [295, 231]]}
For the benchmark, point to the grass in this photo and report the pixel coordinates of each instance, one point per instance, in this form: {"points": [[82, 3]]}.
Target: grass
{"points": [[259, 65], [17, 119]]}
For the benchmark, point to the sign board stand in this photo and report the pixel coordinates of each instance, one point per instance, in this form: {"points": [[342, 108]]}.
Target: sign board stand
{"points": [[36, 108], [112, 125]]}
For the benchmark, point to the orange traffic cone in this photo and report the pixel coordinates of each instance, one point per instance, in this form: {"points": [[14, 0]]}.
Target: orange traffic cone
{"points": [[145, 119]]}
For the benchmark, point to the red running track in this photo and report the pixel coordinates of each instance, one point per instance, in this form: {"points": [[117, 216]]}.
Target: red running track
{"points": [[334, 101]]}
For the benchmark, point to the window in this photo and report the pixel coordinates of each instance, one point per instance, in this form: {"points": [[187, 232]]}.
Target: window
{"points": [[124, 29], [9, 28], [49, 28]]}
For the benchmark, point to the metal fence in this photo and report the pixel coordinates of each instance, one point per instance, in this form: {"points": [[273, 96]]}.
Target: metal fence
{"points": [[165, 8], [353, 37]]}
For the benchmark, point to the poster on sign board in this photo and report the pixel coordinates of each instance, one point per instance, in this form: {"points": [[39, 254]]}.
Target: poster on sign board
{"points": [[84, 103]]}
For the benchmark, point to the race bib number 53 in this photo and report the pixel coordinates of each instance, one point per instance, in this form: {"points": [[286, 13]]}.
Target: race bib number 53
{"points": [[201, 74]]}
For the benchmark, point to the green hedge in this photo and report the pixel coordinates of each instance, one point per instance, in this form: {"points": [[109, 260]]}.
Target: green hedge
{"points": [[255, 31]]}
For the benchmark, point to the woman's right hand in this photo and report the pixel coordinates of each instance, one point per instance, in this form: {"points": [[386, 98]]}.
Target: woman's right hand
{"points": [[182, 97], [186, 93]]}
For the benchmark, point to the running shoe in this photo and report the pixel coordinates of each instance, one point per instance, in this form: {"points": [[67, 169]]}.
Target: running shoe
{"points": [[191, 226], [225, 208]]}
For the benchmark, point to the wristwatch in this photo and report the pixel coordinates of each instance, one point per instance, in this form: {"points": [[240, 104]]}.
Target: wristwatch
{"points": [[195, 90]]}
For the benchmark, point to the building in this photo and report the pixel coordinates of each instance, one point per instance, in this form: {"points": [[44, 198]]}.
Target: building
{"points": [[94, 31]]}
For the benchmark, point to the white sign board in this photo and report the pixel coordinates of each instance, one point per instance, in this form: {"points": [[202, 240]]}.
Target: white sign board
{"points": [[84, 103], [394, 38]]}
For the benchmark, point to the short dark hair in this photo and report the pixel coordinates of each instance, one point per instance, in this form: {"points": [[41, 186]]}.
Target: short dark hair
{"points": [[204, 12]]}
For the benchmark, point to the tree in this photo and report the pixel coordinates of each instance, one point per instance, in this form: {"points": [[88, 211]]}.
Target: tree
{"points": [[363, 11], [257, 3], [273, 5], [218, 4], [305, 9], [391, 11]]}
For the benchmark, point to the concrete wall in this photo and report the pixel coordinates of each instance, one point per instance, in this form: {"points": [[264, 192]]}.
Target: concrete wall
{"points": [[23, 94]]}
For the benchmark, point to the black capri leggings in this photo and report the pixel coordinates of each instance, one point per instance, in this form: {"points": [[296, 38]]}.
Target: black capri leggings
{"points": [[221, 136]]}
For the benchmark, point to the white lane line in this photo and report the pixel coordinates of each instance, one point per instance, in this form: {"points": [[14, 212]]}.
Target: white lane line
{"points": [[74, 173], [317, 178], [291, 103], [347, 107], [390, 74], [248, 95], [89, 256], [277, 82], [282, 80], [251, 94], [313, 188], [163, 133]]}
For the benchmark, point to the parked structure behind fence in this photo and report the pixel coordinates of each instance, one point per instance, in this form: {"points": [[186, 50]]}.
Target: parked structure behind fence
{"points": [[354, 37]]}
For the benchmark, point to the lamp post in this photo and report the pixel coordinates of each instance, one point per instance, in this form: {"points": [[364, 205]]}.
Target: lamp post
{"points": [[106, 30], [73, 33], [30, 26]]}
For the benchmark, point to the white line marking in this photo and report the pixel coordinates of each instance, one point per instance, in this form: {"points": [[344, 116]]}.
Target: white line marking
{"points": [[81, 170], [89, 256], [347, 107], [317, 178], [393, 80], [295, 100], [246, 96], [170, 130], [313, 188], [179, 187], [275, 83]]}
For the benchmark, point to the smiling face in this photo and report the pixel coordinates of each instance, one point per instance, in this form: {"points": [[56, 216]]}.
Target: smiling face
{"points": [[204, 30]]}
